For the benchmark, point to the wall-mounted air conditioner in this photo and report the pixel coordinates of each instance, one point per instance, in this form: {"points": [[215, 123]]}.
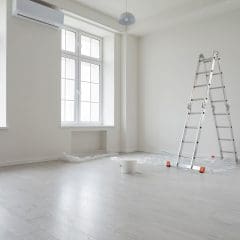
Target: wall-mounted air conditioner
{"points": [[38, 11]]}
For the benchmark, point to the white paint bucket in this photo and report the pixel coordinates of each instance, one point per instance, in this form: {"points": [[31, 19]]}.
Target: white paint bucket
{"points": [[128, 166]]}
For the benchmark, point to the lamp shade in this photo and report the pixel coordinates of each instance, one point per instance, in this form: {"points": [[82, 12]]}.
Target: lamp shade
{"points": [[126, 19]]}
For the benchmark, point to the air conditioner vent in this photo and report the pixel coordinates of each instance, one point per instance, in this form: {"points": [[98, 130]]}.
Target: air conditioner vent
{"points": [[45, 4], [38, 11]]}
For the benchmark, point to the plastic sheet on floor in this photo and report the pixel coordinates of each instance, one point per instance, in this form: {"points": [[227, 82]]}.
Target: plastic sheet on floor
{"points": [[213, 165], [88, 157]]}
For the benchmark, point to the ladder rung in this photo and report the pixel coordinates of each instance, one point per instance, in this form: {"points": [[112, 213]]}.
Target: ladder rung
{"points": [[226, 139], [217, 101], [181, 156], [188, 142], [223, 127], [204, 72], [220, 87], [209, 72], [228, 152], [221, 114], [214, 74], [205, 60], [195, 113], [197, 99], [200, 85], [192, 127]]}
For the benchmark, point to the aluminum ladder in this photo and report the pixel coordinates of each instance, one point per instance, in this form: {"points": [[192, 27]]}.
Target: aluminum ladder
{"points": [[211, 70]]}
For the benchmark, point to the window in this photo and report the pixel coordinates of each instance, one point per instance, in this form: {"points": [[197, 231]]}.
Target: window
{"points": [[81, 81]]}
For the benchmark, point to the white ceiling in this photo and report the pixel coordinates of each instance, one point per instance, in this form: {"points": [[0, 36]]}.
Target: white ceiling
{"points": [[141, 8], [152, 15]]}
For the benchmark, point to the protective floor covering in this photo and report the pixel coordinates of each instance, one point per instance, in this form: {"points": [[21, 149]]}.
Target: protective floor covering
{"points": [[213, 165]]}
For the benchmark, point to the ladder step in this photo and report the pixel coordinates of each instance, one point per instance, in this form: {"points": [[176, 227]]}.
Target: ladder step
{"points": [[195, 113], [204, 72], [182, 156], [214, 74], [221, 114], [223, 127], [197, 99], [228, 152], [217, 101], [206, 60], [200, 85], [208, 73], [226, 139], [188, 142], [191, 127], [220, 87]]}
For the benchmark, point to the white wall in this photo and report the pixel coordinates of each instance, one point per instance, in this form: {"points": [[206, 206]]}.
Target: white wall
{"points": [[33, 94], [167, 67]]}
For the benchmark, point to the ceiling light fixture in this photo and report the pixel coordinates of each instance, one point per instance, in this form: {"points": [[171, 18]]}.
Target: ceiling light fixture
{"points": [[126, 18]]}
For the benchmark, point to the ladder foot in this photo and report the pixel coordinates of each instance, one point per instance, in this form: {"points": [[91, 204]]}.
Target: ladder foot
{"points": [[202, 169], [168, 164]]}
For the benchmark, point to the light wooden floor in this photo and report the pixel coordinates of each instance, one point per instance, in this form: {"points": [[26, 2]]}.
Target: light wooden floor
{"points": [[93, 201]]}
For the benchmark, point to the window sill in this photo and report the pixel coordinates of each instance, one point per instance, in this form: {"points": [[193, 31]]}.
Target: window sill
{"points": [[87, 127]]}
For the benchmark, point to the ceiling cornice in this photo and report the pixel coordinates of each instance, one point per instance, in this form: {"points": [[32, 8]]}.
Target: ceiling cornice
{"points": [[182, 15], [88, 13]]}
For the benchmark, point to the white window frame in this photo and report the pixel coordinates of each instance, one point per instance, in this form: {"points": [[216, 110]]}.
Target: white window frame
{"points": [[78, 57]]}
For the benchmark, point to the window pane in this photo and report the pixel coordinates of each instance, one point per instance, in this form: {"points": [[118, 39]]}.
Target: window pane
{"points": [[94, 92], [69, 111], [95, 48], [85, 46], [85, 112], [63, 39], [63, 67], [70, 89], [85, 91], [94, 73], [70, 41], [94, 112], [85, 72], [70, 68]]}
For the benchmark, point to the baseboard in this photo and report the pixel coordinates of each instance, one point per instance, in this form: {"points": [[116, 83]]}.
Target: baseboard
{"points": [[53, 158], [129, 150], [29, 161]]}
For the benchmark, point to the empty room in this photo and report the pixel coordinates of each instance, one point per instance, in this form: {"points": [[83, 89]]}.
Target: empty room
{"points": [[119, 120]]}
